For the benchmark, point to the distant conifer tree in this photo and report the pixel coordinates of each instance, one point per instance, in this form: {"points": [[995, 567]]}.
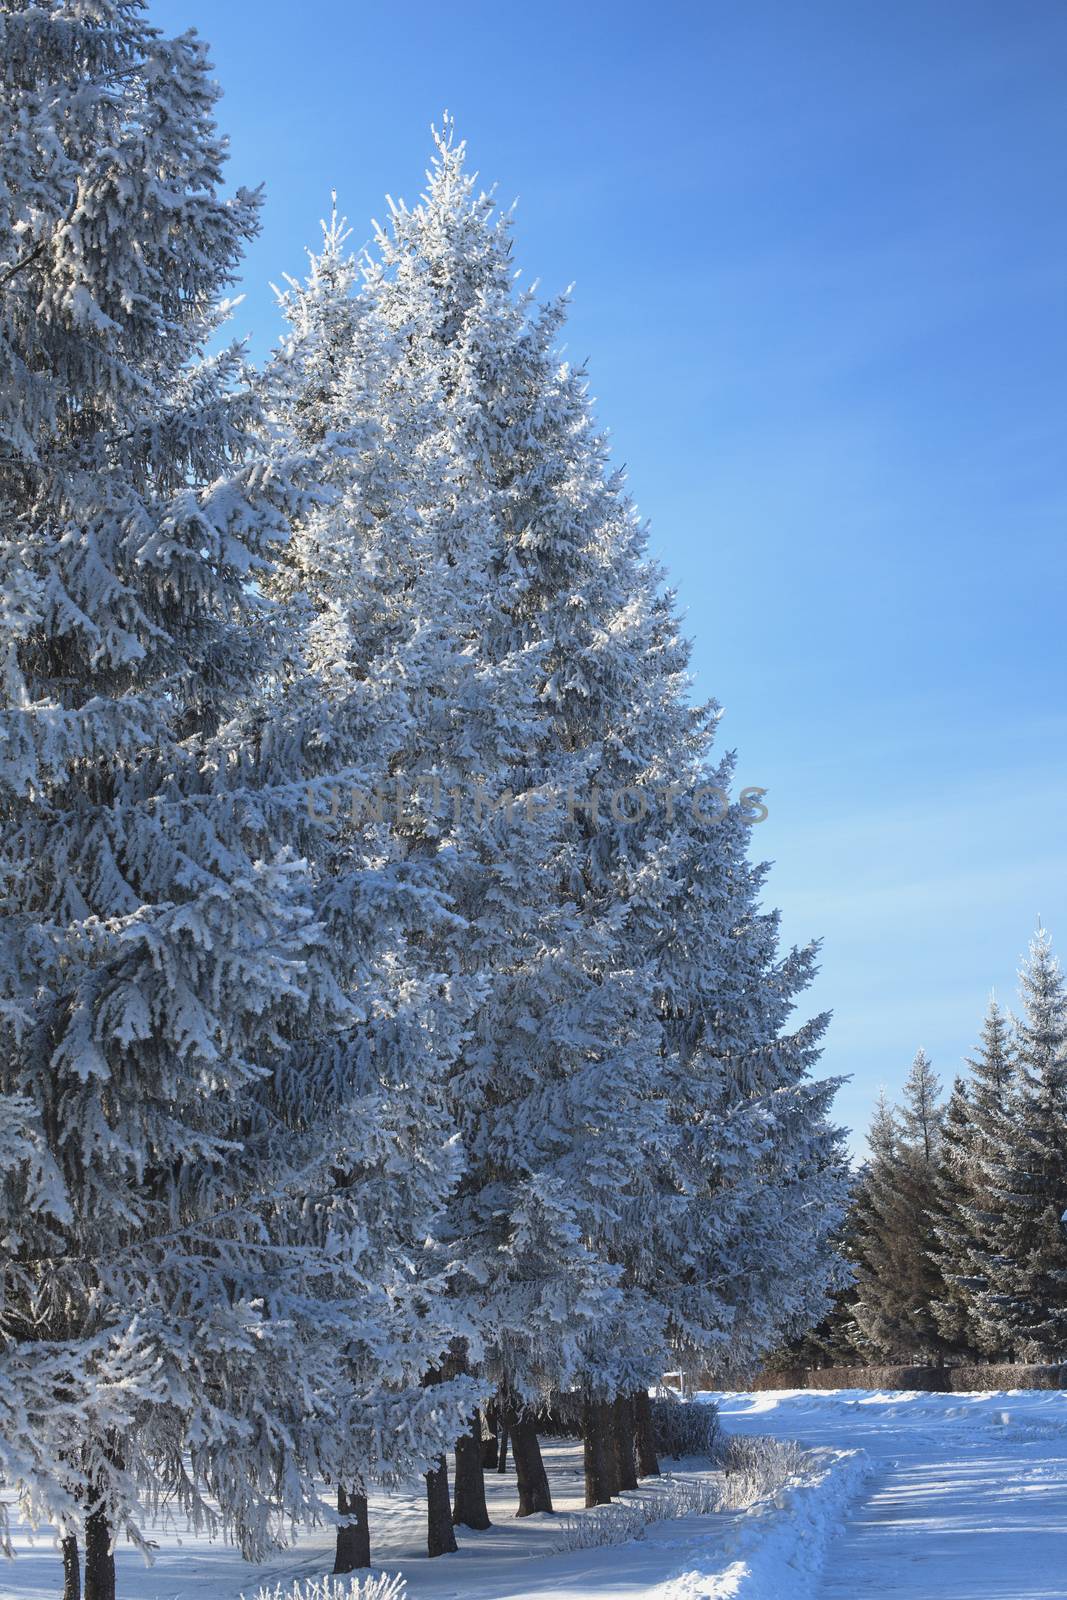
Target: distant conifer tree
{"points": [[967, 1210], [898, 1280], [1023, 1304]]}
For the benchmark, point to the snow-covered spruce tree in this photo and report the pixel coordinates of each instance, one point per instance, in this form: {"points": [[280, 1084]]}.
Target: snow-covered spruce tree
{"points": [[667, 900], [952, 1240], [921, 1151], [521, 561], [557, 1091], [897, 1276], [990, 1097], [878, 1237], [367, 669], [967, 1211], [415, 524], [182, 1038], [1023, 1306]]}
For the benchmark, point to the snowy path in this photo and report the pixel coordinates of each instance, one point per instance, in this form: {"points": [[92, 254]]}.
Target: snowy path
{"points": [[967, 1500]]}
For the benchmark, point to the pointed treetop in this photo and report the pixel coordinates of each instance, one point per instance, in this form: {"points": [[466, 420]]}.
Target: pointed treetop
{"points": [[335, 233], [921, 1115], [883, 1131], [1041, 1033]]}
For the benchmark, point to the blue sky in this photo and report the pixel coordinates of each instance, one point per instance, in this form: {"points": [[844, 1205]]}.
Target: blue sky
{"points": [[819, 256]]}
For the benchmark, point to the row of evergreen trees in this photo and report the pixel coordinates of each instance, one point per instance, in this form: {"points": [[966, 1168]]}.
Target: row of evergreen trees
{"points": [[958, 1226], [341, 1096]]}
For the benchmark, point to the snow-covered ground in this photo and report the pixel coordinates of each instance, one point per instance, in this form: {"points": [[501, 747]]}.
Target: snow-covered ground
{"points": [[514, 1560], [906, 1497], [967, 1498]]}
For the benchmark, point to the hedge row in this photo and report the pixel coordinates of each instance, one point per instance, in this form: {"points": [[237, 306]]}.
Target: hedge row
{"points": [[936, 1380]]}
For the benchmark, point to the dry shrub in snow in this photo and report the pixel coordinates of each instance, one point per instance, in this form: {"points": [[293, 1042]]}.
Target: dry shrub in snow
{"points": [[371, 1586], [755, 1468], [685, 1427], [617, 1523], [750, 1470], [685, 1497], [627, 1518]]}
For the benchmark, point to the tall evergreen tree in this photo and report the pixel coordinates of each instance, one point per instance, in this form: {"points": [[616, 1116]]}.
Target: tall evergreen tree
{"points": [[549, 1120], [184, 1090], [952, 1237], [1023, 1306], [363, 675], [878, 1236], [898, 1280], [991, 1101], [628, 1095], [666, 900], [967, 1209]]}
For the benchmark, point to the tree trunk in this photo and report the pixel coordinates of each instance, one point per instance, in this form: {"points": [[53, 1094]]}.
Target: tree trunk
{"points": [[489, 1441], [353, 1542], [647, 1460], [99, 1557], [468, 1499], [622, 1431], [502, 1449], [440, 1536], [611, 1459], [534, 1493], [72, 1572], [596, 1442]]}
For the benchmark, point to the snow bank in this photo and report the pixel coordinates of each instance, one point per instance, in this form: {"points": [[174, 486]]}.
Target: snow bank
{"points": [[777, 1548], [817, 1416]]}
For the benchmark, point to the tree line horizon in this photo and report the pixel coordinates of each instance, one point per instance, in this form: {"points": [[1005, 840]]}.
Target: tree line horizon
{"points": [[957, 1227]]}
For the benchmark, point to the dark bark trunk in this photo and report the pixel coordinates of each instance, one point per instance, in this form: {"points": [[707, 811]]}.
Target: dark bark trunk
{"points": [[440, 1535], [611, 1460], [534, 1493], [99, 1557], [622, 1429], [353, 1542], [597, 1453], [489, 1441], [72, 1572], [647, 1460], [468, 1497], [502, 1449]]}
